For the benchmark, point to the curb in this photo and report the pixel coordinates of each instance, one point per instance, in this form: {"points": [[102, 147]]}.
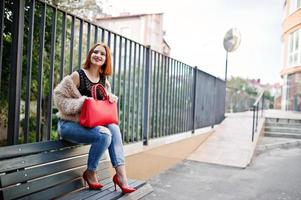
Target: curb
{"points": [[290, 144]]}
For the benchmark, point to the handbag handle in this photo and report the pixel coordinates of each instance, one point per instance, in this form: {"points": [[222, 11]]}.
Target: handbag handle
{"points": [[102, 90]]}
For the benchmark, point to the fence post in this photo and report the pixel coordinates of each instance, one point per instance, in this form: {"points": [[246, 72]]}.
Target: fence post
{"points": [[146, 95], [195, 71], [253, 127], [262, 105], [15, 72], [2, 4]]}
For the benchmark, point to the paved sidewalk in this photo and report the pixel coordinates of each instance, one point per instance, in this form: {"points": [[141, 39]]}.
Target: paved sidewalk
{"points": [[231, 143], [149, 163]]}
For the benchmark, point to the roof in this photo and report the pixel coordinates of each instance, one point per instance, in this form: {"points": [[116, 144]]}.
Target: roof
{"points": [[126, 15]]}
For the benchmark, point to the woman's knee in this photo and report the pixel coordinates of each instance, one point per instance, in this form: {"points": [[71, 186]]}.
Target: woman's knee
{"points": [[104, 130], [104, 136]]}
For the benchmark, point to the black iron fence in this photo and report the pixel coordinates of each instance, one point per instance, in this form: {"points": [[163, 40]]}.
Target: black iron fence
{"points": [[40, 44]]}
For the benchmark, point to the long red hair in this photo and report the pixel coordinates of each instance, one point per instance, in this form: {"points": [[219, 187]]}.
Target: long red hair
{"points": [[106, 68]]}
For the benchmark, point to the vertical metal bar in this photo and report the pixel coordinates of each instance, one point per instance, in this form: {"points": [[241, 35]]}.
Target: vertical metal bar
{"points": [[190, 87], [253, 127], [52, 60], [63, 46], [179, 98], [119, 71], [138, 94], [71, 44], [15, 72], [128, 121], [28, 69], [173, 95], [88, 38], [40, 74], [134, 97], [147, 92], [124, 90], [109, 38], [195, 71], [154, 83], [167, 125], [114, 63], [2, 4], [257, 107], [186, 97], [183, 97], [150, 100], [161, 96], [262, 105], [95, 34], [164, 95], [157, 95], [80, 43], [143, 92], [214, 104], [102, 35]]}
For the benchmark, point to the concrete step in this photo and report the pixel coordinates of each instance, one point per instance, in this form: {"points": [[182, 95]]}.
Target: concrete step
{"points": [[283, 125], [282, 129], [283, 121], [283, 135], [268, 143]]}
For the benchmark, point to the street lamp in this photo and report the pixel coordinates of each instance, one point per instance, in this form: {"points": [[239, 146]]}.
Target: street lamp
{"points": [[231, 43]]}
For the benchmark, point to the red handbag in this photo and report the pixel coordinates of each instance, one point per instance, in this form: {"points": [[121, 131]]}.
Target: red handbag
{"points": [[98, 112]]}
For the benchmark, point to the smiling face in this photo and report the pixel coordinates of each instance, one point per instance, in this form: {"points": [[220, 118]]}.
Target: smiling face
{"points": [[98, 56]]}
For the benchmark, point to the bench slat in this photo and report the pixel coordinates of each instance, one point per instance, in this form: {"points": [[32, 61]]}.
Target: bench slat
{"points": [[43, 183], [57, 190], [60, 190], [85, 193], [28, 161], [114, 194], [32, 173], [31, 148], [142, 191], [110, 192]]}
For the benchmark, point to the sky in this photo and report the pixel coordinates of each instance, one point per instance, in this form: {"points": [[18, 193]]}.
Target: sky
{"points": [[195, 30]]}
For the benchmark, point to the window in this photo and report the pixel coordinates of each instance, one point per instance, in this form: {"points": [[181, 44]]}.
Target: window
{"points": [[294, 5], [294, 51]]}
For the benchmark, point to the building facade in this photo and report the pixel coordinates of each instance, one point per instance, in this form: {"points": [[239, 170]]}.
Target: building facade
{"points": [[291, 49], [146, 29]]}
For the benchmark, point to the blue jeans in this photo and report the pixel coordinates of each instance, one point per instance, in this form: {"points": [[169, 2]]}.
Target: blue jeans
{"points": [[100, 138]]}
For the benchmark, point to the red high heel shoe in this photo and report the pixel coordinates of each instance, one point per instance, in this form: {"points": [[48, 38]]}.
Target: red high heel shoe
{"points": [[123, 188], [92, 186]]}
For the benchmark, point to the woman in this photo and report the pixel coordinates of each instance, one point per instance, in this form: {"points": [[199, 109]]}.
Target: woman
{"points": [[69, 96]]}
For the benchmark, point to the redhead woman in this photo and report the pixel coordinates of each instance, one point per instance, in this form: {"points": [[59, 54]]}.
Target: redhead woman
{"points": [[69, 96]]}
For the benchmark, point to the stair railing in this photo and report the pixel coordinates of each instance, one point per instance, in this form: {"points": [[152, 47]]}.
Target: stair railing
{"points": [[255, 112]]}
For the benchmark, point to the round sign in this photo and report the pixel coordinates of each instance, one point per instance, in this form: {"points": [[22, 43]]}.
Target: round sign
{"points": [[232, 40]]}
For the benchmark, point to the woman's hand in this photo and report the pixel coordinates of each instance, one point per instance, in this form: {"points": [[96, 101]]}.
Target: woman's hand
{"points": [[112, 98]]}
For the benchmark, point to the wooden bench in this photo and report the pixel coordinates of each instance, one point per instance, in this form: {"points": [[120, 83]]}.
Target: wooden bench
{"points": [[53, 170]]}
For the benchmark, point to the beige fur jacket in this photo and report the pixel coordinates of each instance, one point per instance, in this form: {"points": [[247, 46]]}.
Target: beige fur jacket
{"points": [[68, 99]]}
